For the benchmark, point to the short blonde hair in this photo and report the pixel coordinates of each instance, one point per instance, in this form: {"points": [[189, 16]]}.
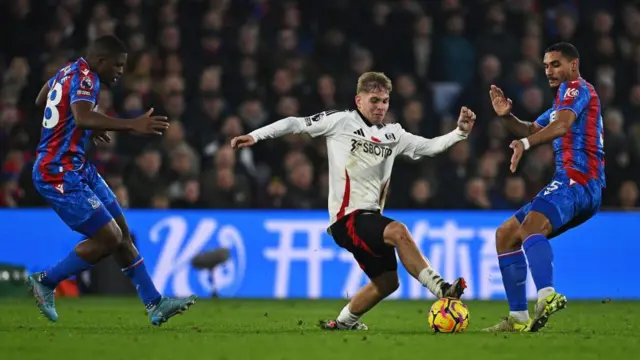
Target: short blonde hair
{"points": [[373, 82]]}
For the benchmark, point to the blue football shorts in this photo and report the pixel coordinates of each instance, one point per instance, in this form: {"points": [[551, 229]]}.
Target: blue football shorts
{"points": [[565, 203], [81, 198]]}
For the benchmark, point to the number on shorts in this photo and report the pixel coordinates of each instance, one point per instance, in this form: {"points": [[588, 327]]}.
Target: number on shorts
{"points": [[552, 187], [51, 114]]}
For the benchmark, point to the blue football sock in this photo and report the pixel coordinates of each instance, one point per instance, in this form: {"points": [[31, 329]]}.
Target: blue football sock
{"points": [[540, 257], [69, 266], [139, 276], [513, 266]]}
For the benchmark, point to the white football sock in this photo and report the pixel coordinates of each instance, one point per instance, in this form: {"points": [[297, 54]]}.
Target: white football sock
{"points": [[430, 279], [544, 292], [346, 317], [520, 316]]}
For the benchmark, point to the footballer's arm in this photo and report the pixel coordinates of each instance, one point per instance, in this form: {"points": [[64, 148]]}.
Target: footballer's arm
{"points": [[286, 126], [417, 146], [86, 118], [519, 127], [41, 99], [320, 124], [555, 129]]}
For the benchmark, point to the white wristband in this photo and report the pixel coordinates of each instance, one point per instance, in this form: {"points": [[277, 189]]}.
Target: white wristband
{"points": [[526, 144]]}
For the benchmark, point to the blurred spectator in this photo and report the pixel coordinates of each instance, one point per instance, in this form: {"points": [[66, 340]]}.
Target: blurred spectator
{"points": [[220, 69], [421, 195], [628, 196]]}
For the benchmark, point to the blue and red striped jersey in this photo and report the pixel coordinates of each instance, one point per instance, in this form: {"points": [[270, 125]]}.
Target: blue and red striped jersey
{"points": [[580, 152], [62, 143]]}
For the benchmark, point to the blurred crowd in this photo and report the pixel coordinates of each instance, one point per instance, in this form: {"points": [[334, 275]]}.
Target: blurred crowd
{"points": [[221, 68]]}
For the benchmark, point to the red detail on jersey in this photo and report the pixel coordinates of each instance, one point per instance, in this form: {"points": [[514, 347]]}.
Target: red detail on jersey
{"points": [[357, 241], [567, 154], [375, 139], [577, 176], [591, 136], [76, 135], [383, 193], [346, 196]]}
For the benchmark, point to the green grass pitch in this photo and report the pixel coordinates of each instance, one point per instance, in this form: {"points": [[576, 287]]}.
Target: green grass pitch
{"points": [[117, 328]]}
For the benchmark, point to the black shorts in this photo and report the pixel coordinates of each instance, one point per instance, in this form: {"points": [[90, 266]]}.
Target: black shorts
{"points": [[362, 234]]}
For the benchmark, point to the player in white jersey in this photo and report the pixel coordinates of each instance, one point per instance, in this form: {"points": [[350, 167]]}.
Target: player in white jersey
{"points": [[361, 151]]}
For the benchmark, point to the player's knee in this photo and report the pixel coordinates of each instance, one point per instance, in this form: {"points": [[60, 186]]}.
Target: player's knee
{"points": [[396, 233], [112, 237], [507, 238], [389, 288], [387, 284], [534, 223]]}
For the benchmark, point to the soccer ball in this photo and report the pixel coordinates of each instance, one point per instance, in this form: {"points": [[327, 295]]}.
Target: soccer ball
{"points": [[448, 316]]}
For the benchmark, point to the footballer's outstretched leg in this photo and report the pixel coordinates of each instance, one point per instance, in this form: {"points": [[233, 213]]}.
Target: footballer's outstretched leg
{"points": [[159, 309], [364, 300], [87, 253], [397, 235], [373, 240]]}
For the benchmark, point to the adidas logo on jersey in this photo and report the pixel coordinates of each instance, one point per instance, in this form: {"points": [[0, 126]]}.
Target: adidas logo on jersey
{"points": [[359, 132]]}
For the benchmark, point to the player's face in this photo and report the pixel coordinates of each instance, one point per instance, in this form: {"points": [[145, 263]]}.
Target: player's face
{"points": [[110, 69], [558, 68], [373, 105]]}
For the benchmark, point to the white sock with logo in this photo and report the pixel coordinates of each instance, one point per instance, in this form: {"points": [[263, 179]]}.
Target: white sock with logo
{"points": [[430, 279], [346, 317]]}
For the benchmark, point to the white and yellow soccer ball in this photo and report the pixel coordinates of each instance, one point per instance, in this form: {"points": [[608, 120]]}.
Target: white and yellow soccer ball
{"points": [[448, 316]]}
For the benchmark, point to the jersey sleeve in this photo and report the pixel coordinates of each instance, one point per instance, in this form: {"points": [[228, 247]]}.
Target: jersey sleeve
{"points": [[50, 81], [544, 119], [84, 88], [325, 124], [415, 146], [575, 97]]}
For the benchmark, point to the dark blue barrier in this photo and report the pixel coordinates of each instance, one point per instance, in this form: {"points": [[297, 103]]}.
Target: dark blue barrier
{"points": [[281, 254]]}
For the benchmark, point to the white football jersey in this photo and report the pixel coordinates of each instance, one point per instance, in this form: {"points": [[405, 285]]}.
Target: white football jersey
{"points": [[361, 154]]}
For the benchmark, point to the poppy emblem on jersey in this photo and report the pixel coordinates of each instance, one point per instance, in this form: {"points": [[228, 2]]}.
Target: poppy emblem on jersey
{"points": [[375, 139], [86, 83], [390, 136], [571, 93]]}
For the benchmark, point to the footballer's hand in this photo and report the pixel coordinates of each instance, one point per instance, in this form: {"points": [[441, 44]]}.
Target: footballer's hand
{"points": [[501, 104], [518, 150], [150, 125], [101, 137], [466, 120], [242, 141]]}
